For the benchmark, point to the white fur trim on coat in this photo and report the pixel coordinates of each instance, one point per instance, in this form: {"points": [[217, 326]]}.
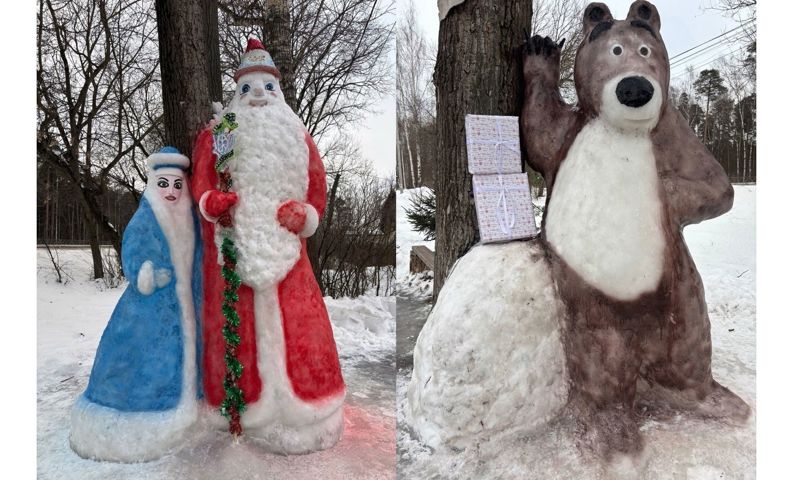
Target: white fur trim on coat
{"points": [[312, 222], [103, 433], [202, 205]]}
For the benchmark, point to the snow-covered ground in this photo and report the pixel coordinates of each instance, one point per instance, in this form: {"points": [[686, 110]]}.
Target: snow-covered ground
{"points": [[678, 448], [71, 319]]}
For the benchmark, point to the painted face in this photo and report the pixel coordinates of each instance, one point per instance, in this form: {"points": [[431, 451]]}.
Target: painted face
{"points": [[169, 186], [622, 66], [257, 89]]}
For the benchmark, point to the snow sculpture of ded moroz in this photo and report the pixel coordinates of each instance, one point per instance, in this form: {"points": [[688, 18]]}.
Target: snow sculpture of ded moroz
{"points": [[292, 383], [610, 275], [142, 397]]}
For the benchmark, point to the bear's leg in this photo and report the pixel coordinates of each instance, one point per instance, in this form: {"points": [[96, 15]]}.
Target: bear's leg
{"points": [[678, 363], [603, 363]]}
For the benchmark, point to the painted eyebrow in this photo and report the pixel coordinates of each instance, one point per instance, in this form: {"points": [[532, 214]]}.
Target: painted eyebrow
{"points": [[645, 25], [600, 28]]}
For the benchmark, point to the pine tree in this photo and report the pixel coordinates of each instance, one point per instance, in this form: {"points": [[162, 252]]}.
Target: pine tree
{"points": [[709, 85]]}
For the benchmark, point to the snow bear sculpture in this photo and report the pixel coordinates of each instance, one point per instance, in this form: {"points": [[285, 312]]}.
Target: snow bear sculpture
{"points": [[489, 359], [625, 173], [611, 275]]}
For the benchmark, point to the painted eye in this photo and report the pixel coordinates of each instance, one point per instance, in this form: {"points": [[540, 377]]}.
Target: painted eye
{"points": [[178, 184], [644, 51], [616, 50], [245, 88], [269, 86], [163, 183]]}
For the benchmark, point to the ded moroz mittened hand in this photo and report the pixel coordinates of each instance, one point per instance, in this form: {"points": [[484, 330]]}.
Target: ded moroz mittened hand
{"points": [[214, 203], [298, 217]]}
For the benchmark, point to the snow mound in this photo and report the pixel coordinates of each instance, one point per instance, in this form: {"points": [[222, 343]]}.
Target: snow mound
{"points": [[364, 323], [489, 359]]}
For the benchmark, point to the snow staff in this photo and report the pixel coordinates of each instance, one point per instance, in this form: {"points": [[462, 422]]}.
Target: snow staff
{"points": [[625, 173], [142, 396], [292, 384]]}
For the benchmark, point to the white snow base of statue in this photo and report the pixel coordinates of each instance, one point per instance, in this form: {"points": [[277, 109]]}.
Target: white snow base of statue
{"points": [[103, 433], [279, 420], [279, 438], [489, 359]]}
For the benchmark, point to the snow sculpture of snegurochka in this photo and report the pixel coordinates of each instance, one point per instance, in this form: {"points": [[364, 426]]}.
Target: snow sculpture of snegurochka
{"points": [[259, 150], [142, 399], [625, 173]]}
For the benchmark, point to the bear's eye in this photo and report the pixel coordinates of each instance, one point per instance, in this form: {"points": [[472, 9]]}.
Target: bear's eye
{"points": [[644, 51], [269, 86], [245, 88], [616, 50]]}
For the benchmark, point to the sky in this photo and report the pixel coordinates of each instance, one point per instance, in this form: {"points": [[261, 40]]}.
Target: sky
{"points": [[376, 132], [684, 24]]}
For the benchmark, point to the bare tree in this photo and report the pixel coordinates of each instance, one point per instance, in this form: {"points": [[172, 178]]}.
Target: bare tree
{"points": [[95, 62], [415, 99], [743, 11]]}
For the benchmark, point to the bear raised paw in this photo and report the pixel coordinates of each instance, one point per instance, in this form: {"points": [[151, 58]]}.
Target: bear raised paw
{"points": [[624, 174]]}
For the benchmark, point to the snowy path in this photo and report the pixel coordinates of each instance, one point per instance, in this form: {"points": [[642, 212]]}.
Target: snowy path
{"points": [[679, 448], [412, 310], [71, 319]]}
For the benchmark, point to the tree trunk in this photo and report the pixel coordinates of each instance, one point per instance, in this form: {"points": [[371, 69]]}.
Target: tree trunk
{"points": [[277, 41], [94, 246], [479, 71], [188, 46], [400, 173]]}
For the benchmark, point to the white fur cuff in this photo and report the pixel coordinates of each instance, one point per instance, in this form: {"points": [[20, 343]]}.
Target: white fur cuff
{"points": [[144, 280], [102, 433], [312, 222], [202, 205]]}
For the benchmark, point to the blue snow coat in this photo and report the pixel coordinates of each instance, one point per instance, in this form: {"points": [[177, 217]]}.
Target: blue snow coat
{"points": [[139, 362]]}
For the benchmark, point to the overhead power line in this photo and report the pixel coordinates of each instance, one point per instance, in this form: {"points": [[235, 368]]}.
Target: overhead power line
{"points": [[708, 49], [739, 27], [685, 71]]}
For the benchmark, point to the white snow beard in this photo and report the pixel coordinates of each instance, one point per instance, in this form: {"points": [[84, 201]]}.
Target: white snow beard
{"points": [[270, 166]]}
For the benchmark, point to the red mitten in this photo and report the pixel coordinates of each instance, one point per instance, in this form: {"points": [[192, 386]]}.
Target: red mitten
{"points": [[292, 215], [216, 203]]}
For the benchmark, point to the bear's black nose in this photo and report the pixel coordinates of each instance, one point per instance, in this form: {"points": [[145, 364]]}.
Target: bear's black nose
{"points": [[634, 91]]}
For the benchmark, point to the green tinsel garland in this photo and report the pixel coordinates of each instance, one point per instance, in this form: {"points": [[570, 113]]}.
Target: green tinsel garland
{"points": [[233, 405]]}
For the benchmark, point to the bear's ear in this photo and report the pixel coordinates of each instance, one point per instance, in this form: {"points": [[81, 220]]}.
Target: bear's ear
{"points": [[595, 13], [646, 12]]}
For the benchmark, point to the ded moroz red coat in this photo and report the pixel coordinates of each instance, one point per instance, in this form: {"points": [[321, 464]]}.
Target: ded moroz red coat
{"points": [[303, 337]]}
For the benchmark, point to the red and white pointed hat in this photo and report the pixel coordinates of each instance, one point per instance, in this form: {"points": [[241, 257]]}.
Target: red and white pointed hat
{"points": [[256, 59]]}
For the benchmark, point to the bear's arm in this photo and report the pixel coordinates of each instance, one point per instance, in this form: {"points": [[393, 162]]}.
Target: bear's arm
{"points": [[696, 185], [317, 187], [546, 120]]}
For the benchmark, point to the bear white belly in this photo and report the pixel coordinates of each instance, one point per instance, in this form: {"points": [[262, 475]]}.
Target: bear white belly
{"points": [[604, 217]]}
